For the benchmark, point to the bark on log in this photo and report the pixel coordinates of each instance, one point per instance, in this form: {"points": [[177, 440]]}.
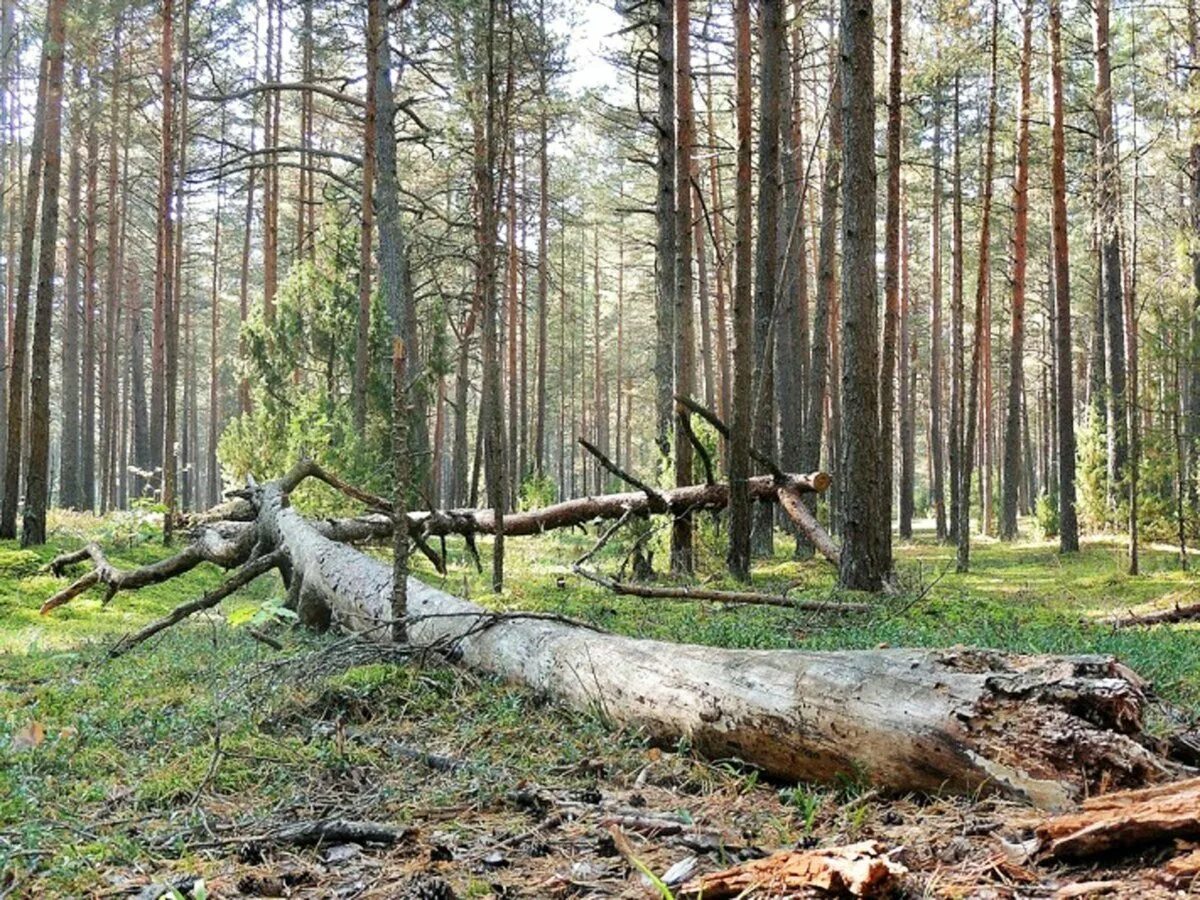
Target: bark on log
{"points": [[1042, 729], [1125, 820]]}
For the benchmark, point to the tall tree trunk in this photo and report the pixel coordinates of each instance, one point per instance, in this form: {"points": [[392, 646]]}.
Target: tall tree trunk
{"points": [[1131, 327], [957, 367], [791, 332], [866, 532], [270, 181], [963, 555], [212, 491], [685, 332], [493, 399], [91, 303], [110, 434], [395, 279], [891, 272], [512, 300], [247, 233], [69, 461], [19, 331], [743, 314], [1191, 412], [1016, 360], [165, 284], [665, 241], [362, 339], [937, 448], [907, 386], [37, 483], [543, 311], [7, 127], [722, 262], [1109, 221], [824, 317], [766, 251]]}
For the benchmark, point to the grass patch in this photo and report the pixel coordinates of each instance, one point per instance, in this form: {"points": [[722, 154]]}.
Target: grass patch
{"points": [[138, 756]]}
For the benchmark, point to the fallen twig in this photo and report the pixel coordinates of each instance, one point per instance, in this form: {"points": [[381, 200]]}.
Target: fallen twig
{"points": [[671, 592]]}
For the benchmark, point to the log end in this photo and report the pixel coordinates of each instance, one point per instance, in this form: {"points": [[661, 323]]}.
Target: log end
{"points": [[1052, 729], [820, 481]]}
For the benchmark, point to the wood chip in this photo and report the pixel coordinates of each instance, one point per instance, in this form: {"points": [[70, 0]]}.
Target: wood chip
{"points": [[1182, 871], [1085, 889], [855, 870]]}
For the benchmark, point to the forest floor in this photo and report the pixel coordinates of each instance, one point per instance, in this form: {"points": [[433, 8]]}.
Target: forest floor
{"points": [[184, 758]]}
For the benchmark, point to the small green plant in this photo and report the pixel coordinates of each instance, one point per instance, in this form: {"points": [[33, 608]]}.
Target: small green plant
{"points": [[1046, 515], [538, 491], [807, 803], [270, 610]]}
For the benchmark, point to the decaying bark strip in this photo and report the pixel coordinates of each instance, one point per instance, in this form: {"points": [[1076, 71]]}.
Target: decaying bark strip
{"points": [[856, 870], [1125, 820], [1042, 729]]}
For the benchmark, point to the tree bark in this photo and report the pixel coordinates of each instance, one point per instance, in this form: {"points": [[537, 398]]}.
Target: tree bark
{"points": [[937, 448], [69, 459], [741, 420], [957, 373], [37, 479], [685, 333], [766, 252], [866, 533], [1016, 359], [543, 269], [665, 240], [891, 275], [19, 331], [1109, 222], [963, 555], [824, 319]]}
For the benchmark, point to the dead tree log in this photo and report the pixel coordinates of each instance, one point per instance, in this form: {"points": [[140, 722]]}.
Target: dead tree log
{"points": [[1042, 729]]}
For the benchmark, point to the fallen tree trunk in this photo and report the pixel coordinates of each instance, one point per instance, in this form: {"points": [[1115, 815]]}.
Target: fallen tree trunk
{"points": [[1042, 729]]}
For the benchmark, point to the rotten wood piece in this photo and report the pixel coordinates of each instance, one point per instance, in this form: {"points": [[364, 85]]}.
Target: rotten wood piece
{"points": [[855, 870], [1125, 820], [1182, 872]]}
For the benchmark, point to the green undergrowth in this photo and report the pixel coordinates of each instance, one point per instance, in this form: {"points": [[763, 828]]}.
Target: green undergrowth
{"points": [[106, 765]]}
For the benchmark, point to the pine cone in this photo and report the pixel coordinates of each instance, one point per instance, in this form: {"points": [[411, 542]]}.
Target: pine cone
{"points": [[429, 887]]}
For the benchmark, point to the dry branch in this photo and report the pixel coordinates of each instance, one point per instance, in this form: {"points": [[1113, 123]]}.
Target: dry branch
{"points": [[240, 579], [684, 592], [1172, 616], [857, 870], [801, 516]]}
